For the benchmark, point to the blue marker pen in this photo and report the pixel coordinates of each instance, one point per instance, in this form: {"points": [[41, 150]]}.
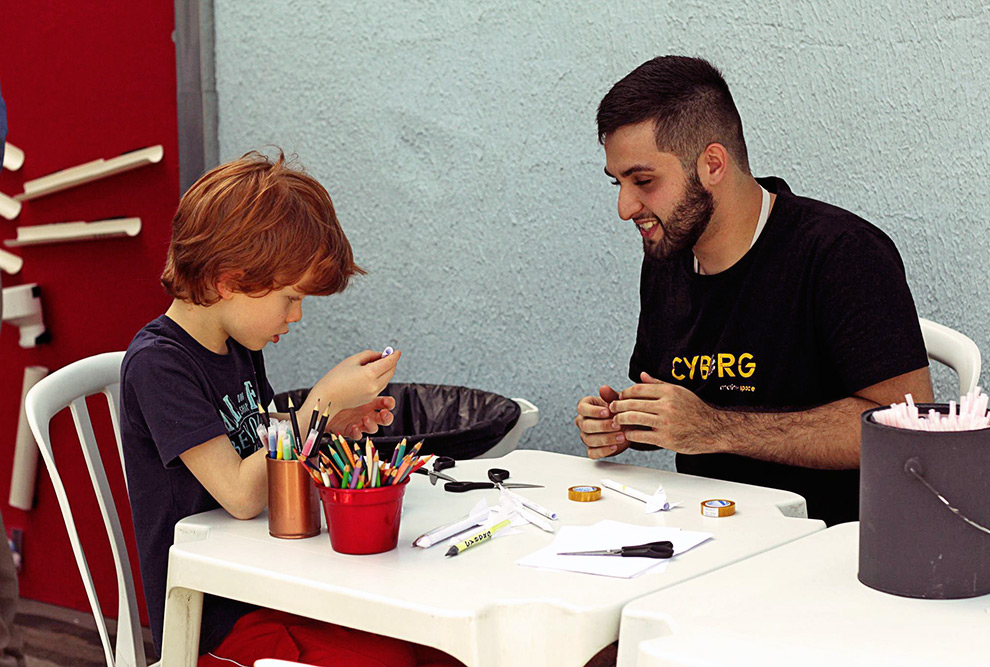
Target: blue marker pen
{"points": [[387, 351], [273, 441]]}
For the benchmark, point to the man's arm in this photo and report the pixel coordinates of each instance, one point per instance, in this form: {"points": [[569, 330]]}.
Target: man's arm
{"points": [[670, 416], [239, 485]]}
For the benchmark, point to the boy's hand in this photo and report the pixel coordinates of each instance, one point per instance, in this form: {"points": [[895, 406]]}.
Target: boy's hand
{"points": [[363, 419], [357, 380]]}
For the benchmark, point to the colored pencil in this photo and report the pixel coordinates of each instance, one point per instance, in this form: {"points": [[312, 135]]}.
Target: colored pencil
{"points": [[322, 425]]}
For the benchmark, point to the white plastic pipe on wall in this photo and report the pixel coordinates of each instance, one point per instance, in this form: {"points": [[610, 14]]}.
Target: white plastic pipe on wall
{"points": [[24, 472]]}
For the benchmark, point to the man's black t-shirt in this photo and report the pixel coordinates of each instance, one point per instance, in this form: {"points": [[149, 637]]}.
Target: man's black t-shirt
{"points": [[176, 394], [818, 309]]}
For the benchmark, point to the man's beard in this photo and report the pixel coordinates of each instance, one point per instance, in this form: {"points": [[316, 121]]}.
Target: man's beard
{"points": [[685, 225]]}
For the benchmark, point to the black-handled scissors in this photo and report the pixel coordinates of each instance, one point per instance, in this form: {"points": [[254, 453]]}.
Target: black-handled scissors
{"points": [[497, 477], [439, 463], [663, 549]]}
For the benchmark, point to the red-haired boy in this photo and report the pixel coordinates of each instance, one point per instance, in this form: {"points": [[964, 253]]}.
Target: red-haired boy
{"points": [[250, 240]]}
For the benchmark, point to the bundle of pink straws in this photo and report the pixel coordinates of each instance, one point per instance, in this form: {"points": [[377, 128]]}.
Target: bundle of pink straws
{"points": [[969, 415]]}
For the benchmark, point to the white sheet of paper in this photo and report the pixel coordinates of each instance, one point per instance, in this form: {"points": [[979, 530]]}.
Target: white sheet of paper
{"points": [[608, 534]]}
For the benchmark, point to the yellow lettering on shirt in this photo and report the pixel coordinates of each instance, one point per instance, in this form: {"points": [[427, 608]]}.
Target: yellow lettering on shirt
{"points": [[725, 361], [722, 364], [746, 369]]}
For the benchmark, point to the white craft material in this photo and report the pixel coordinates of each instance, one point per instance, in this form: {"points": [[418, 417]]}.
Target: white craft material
{"points": [[969, 415], [61, 232], [90, 171], [13, 157], [22, 308], [10, 263], [10, 208], [655, 503], [24, 472]]}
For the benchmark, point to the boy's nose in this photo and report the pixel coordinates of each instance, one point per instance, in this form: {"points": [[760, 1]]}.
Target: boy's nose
{"points": [[295, 313]]}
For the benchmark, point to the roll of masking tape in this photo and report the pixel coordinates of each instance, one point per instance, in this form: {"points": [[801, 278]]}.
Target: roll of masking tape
{"points": [[718, 507], [584, 494]]}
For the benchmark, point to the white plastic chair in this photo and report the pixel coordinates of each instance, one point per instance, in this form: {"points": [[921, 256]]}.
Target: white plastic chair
{"points": [[68, 388], [528, 417], [955, 350]]}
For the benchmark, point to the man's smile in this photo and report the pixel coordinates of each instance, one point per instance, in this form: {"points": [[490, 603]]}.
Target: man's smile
{"points": [[647, 226]]}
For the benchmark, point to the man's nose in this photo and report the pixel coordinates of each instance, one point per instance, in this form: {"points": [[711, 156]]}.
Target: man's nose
{"points": [[629, 204]]}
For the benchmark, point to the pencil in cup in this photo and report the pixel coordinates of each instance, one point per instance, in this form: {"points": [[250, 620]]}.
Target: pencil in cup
{"points": [[356, 469]]}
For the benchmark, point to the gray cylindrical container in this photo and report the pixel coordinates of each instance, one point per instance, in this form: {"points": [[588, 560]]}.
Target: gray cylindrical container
{"points": [[910, 542]]}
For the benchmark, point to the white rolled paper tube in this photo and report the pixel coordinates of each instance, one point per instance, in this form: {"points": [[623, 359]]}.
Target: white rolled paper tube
{"points": [[10, 208], [13, 157], [10, 262], [24, 472], [625, 490]]}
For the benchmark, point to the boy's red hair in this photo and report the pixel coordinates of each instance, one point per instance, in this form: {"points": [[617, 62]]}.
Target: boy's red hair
{"points": [[261, 225]]}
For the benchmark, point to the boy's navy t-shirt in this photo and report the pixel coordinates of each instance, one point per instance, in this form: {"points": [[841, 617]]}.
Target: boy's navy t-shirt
{"points": [[175, 395]]}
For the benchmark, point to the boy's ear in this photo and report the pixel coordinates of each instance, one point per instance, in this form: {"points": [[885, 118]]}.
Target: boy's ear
{"points": [[226, 285]]}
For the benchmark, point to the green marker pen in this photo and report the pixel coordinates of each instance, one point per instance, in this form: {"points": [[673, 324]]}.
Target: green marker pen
{"points": [[482, 535]]}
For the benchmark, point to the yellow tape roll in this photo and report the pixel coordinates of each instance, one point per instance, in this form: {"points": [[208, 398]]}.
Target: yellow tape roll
{"points": [[584, 494], [718, 507]]}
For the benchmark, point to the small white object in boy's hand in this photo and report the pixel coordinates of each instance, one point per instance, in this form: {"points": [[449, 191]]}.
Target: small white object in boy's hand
{"points": [[387, 351]]}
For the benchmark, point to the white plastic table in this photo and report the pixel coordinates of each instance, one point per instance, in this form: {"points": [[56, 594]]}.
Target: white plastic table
{"points": [[800, 604], [481, 607]]}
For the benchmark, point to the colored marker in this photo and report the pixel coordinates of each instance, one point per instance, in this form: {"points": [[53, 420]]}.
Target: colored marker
{"points": [[295, 422], [315, 417], [387, 351], [482, 535]]}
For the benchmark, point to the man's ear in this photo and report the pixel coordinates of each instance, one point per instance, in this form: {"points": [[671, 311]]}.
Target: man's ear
{"points": [[712, 165]]}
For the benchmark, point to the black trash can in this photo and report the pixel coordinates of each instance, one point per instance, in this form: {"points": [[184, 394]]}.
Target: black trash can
{"points": [[459, 422]]}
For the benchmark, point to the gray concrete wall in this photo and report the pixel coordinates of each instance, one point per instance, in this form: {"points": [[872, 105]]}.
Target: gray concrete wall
{"points": [[458, 142]]}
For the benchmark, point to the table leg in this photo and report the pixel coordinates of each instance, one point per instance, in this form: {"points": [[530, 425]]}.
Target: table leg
{"points": [[180, 635]]}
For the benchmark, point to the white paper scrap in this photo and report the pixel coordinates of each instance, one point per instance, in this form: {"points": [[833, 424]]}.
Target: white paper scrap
{"points": [[608, 534], [479, 514]]}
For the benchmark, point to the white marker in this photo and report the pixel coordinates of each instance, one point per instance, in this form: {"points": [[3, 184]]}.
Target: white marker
{"points": [[387, 351]]}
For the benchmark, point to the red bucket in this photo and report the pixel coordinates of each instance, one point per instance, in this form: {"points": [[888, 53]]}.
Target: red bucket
{"points": [[363, 521]]}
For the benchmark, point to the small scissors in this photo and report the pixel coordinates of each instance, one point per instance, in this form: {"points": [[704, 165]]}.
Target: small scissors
{"points": [[497, 477], [439, 463], [663, 549]]}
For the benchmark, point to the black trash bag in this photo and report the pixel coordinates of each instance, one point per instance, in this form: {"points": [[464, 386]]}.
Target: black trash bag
{"points": [[452, 421]]}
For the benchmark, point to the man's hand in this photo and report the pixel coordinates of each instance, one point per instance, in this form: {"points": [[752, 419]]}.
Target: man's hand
{"points": [[666, 415], [599, 431], [364, 418]]}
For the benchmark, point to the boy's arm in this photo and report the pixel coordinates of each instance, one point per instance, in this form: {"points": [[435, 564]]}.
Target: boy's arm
{"points": [[239, 485]]}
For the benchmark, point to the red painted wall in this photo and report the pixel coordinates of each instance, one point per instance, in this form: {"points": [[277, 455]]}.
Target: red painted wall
{"points": [[84, 81]]}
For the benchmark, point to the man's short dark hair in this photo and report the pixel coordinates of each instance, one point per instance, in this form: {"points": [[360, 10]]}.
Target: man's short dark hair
{"points": [[689, 102]]}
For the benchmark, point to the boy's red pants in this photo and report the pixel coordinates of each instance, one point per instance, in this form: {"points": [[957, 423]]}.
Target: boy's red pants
{"points": [[266, 633]]}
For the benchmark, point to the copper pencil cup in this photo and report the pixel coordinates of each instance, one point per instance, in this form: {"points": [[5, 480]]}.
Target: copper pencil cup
{"points": [[293, 501]]}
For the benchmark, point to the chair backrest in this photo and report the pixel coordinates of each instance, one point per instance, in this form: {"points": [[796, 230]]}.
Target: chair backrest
{"points": [[529, 415], [955, 350], [68, 388]]}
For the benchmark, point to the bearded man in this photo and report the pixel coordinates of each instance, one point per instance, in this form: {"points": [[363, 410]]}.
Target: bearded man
{"points": [[768, 321]]}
